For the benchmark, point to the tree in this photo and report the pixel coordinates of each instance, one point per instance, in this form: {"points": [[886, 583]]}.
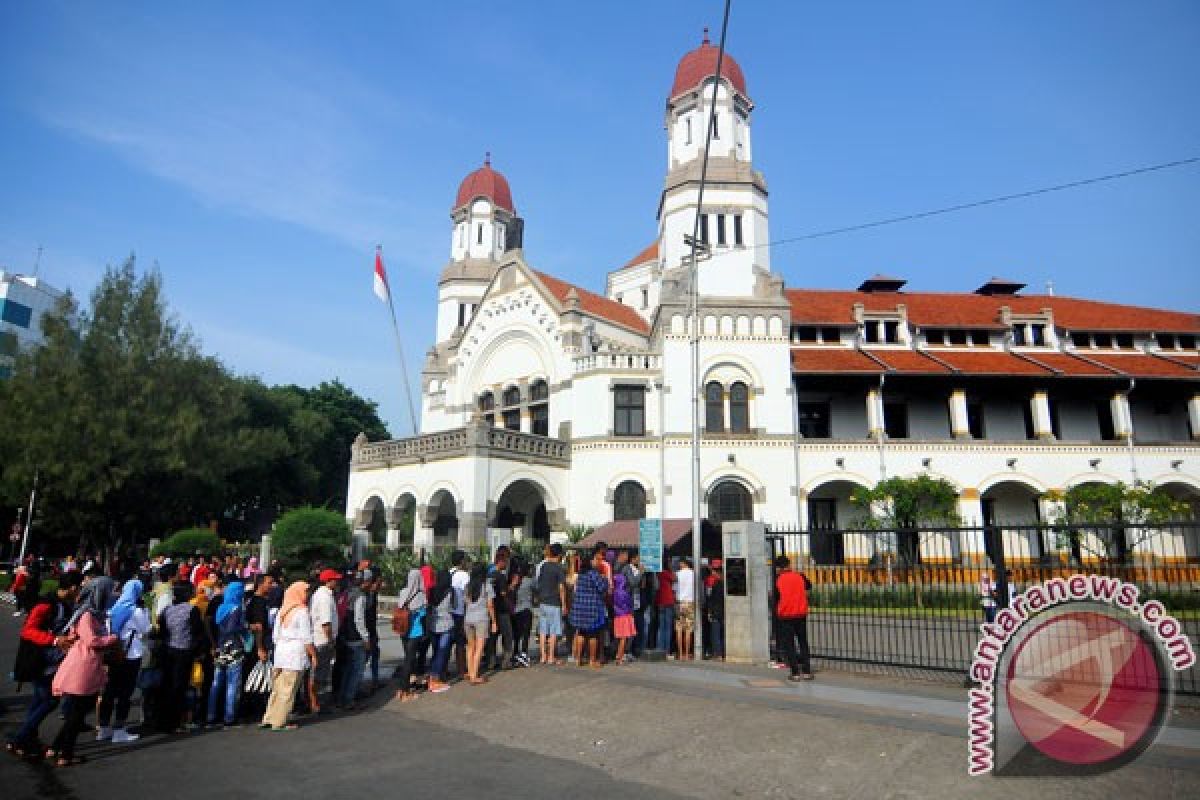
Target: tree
{"points": [[189, 542], [905, 505], [347, 414], [131, 430], [1106, 519], [306, 535]]}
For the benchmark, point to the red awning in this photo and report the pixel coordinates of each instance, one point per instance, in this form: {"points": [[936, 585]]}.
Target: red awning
{"points": [[624, 533]]}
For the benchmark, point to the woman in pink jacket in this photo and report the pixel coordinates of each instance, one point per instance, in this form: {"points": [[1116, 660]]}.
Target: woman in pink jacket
{"points": [[81, 676]]}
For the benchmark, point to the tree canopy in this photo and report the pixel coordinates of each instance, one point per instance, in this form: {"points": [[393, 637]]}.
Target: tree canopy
{"points": [[133, 432]]}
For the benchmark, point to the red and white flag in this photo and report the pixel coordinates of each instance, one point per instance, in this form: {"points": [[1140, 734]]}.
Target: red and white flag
{"points": [[381, 282]]}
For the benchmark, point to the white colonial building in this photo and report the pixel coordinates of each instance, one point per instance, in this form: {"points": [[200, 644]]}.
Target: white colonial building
{"points": [[545, 405]]}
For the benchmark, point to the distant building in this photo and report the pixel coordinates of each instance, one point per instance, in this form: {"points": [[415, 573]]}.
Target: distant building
{"points": [[24, 299], [545, 405]]}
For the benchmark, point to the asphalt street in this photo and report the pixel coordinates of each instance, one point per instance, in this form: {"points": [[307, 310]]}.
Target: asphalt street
{"points": [[646, 730]]}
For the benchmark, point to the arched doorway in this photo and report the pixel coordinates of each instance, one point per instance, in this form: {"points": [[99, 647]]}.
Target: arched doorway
{"points": [[1180, 542], [1011, 516], [522, 506], [830, 512], [443, 513], [377, 522], [404, 519], [629, 501]]}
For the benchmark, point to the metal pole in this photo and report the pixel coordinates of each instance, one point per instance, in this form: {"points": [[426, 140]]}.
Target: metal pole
{"points": [[29, 516], [412, 414], [697, 530]]}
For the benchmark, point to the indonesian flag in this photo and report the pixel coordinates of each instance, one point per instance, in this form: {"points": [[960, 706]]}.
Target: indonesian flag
{"points": [[381, 281]]}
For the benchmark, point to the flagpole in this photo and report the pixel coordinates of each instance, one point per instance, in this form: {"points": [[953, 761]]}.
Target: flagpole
{"points": [[412, 414]]}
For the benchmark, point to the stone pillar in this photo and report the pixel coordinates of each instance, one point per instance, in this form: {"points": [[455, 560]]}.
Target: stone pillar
{"points": [[395, 517], [264, 552], [1121, 416], [874, 412], [747, 617], [472, 528], [1039, 406], [1194, 416], [971, 546], [360, 537], [960, 428]]}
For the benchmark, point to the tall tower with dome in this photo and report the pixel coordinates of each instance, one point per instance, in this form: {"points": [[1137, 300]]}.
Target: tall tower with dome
{"points": [[734, 216]]}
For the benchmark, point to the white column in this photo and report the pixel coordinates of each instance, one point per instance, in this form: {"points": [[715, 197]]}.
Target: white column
{"points": [[1039, 406], [1194, 416], [874, 412], [1121, 415], [970, 546], [960, 428]]}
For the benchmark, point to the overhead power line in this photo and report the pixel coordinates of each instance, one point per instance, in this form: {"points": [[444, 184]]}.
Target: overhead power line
{"points": [[979, 203]]}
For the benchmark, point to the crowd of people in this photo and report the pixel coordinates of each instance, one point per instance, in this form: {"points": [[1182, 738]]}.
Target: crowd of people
{"points": [[213, 643]]}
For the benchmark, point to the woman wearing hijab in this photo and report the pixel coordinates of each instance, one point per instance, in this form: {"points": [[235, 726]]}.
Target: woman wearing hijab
{"points": [[294, 653], [412, 598], [129, 622], [230, 650], [81, 676]]}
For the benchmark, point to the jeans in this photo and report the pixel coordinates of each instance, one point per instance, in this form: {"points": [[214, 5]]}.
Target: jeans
{"points": [[231, 677], [40, 706], [122, 680], [356, 659], [716, 631], [666, 626], [177, 670], [787, 633], [441, 654], [522, 625]]}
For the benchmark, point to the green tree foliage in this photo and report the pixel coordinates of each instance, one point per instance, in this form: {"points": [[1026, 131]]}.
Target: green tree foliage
{"points": [[305, 535], [908, 503], [1103, 519], [133, 431], [189, 542]]}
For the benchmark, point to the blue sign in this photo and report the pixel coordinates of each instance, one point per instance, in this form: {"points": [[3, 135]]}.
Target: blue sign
{"points": [[650, 544]]}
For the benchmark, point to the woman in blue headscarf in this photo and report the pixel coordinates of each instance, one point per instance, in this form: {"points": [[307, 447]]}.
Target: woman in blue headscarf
{"points": [[129, 622], [227, 660]]}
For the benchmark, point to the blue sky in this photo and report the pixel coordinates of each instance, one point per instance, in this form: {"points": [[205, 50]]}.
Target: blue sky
{"points": [[258, 152]]}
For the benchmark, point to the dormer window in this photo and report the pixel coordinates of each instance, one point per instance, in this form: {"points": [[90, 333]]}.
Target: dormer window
{"points": [[957, 337], [1029, 334], [881, 331], [1172, 341], [1102, 340], [812, 334]]}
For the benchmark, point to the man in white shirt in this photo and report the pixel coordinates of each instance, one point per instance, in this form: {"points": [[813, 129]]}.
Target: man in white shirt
{"points": [[685, 609], [460, 577], [323, 608]]}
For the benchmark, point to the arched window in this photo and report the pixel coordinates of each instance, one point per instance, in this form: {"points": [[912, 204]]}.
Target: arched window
{"points": [[539, 410], [739, 408], [729, 501], [714, 408], [487, 404], [629, 501], [512, 408]]}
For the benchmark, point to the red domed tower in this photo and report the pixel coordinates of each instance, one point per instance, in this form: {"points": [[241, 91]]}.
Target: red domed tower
{"points": [[486, 226], [734, 220]]}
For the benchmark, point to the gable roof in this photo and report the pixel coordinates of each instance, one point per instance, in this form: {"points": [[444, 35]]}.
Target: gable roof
{"points": [[968, 310], [594, 304], [649, 254]]}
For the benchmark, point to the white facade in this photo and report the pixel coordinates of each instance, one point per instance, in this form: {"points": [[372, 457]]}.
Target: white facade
{"points": [[543, 404]]}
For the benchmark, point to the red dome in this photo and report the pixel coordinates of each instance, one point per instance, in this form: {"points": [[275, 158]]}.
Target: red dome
{"points": [[701, 63], [486, 182]]}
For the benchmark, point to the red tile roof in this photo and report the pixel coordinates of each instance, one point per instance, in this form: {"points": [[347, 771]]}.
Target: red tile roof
{"points": [[624, 533], [1066, 364], [962, 309], [594, 304], [485, 182], [989, 363], [909, 361], [1140, 365], [832, 360], [701, 63], [649, 254]]}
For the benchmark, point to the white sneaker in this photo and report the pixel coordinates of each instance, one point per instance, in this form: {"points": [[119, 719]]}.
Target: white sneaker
{"points": [[122, 736], [103, 734]]}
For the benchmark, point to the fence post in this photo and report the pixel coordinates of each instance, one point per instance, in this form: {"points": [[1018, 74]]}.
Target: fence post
{"points": [[747, 586]]}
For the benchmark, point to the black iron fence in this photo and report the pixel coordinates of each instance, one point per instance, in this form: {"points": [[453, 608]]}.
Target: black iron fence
{"points": [[914, 599]]}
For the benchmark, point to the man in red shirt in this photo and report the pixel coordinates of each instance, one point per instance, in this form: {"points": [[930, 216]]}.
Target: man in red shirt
{"points": [[791, 618]]}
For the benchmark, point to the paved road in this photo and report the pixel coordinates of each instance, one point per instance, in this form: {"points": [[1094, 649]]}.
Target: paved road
{"points": [[649, 730]]}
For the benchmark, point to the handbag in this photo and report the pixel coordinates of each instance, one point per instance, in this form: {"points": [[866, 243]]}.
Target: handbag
{"points": [[259, 679], [402, 618]]}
